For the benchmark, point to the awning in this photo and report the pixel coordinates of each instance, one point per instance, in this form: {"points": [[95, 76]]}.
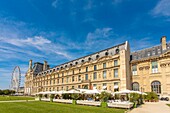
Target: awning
{"points": [[116, 87], [94, 88], [104, 87]]}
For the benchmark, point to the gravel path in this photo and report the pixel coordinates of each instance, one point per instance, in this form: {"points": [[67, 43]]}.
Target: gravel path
{"points": [[153, 107]]}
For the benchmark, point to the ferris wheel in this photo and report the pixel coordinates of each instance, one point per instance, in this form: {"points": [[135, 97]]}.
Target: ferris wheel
{"points": [[16, 79]]}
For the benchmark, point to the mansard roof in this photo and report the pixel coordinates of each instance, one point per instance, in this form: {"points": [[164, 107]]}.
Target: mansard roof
{"points": [[109, 52], [149, 52]]}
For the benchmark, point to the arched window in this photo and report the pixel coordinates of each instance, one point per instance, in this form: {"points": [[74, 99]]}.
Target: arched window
{"points": [[97, 56], [76, 63], [117, 51], [135, 86], [156, 86], [106, 53]]}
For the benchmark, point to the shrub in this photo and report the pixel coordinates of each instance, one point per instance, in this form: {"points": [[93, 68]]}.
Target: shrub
{"points": [[51, 97], [134, 97], [151, 96], [40, 96], [117, 96], [104, 96], [75, 96], [66, 96]]}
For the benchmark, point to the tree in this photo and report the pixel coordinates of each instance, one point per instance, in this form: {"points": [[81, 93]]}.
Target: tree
{"points": [[1, 92]]}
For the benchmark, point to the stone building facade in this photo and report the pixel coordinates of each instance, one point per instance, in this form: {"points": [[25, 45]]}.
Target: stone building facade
{"points": [[113, 69], [151, 69]]}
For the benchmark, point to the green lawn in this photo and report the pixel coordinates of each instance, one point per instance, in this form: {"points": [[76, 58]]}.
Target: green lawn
{"points": [[9, 98], [168, 105], [48, 107]]}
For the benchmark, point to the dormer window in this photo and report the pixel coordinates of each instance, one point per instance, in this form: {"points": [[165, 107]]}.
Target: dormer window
{"points": [[89, 59], [97, 56], [106, 53], [76, 63], [149, 53], [117, 51], [153, 52], [65, 66], [159, 51], [71, 64], [82, 61]]}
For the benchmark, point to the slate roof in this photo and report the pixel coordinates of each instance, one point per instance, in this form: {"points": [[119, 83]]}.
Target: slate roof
{"points": [[149, 52]]}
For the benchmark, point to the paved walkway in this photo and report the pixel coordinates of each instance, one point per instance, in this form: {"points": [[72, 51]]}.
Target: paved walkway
{"points": [[153, 107], [17, 101]]}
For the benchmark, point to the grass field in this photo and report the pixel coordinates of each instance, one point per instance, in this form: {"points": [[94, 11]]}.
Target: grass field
{"points": [[48, 107], [168, 105], [10, 98]]}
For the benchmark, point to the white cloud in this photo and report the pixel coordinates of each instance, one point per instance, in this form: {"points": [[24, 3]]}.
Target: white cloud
{"points": [[55, 3], [42, 44], [162, 8], [89, 5], [102, 38], [37, 40], [141, 43]]}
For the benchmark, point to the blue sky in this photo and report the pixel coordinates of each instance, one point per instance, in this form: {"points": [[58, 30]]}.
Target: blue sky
{"points": [[62, 30]]}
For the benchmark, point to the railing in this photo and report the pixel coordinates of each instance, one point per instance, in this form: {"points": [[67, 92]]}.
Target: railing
{"points": [[85, 81]]}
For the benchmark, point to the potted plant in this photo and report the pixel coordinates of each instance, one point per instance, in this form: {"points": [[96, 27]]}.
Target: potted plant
{"points": [[40, 96], [134, 97], [74, 97], [51, 97], [104, 96]]}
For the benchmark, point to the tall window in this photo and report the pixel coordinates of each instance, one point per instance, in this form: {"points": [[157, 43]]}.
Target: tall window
{"points": [[86, 76], [115, 73], [72, 78], [116, 86], [134, 69], [79, 77], [67, 88], [104, 74], [62, 80], [94, 85], [95, 67], [73, 72], [104, 65], [94, 75], [154, 67], [58, 81], [72, 87], [62, 73], [135, 86], [86, 69], [67, 80], [156, 86], [104, 86], [58, 75], [115, 62]]}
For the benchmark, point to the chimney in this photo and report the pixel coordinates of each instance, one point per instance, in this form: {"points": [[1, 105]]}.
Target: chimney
{"points": [[30, 65], [163, 42], [45, 65]]}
